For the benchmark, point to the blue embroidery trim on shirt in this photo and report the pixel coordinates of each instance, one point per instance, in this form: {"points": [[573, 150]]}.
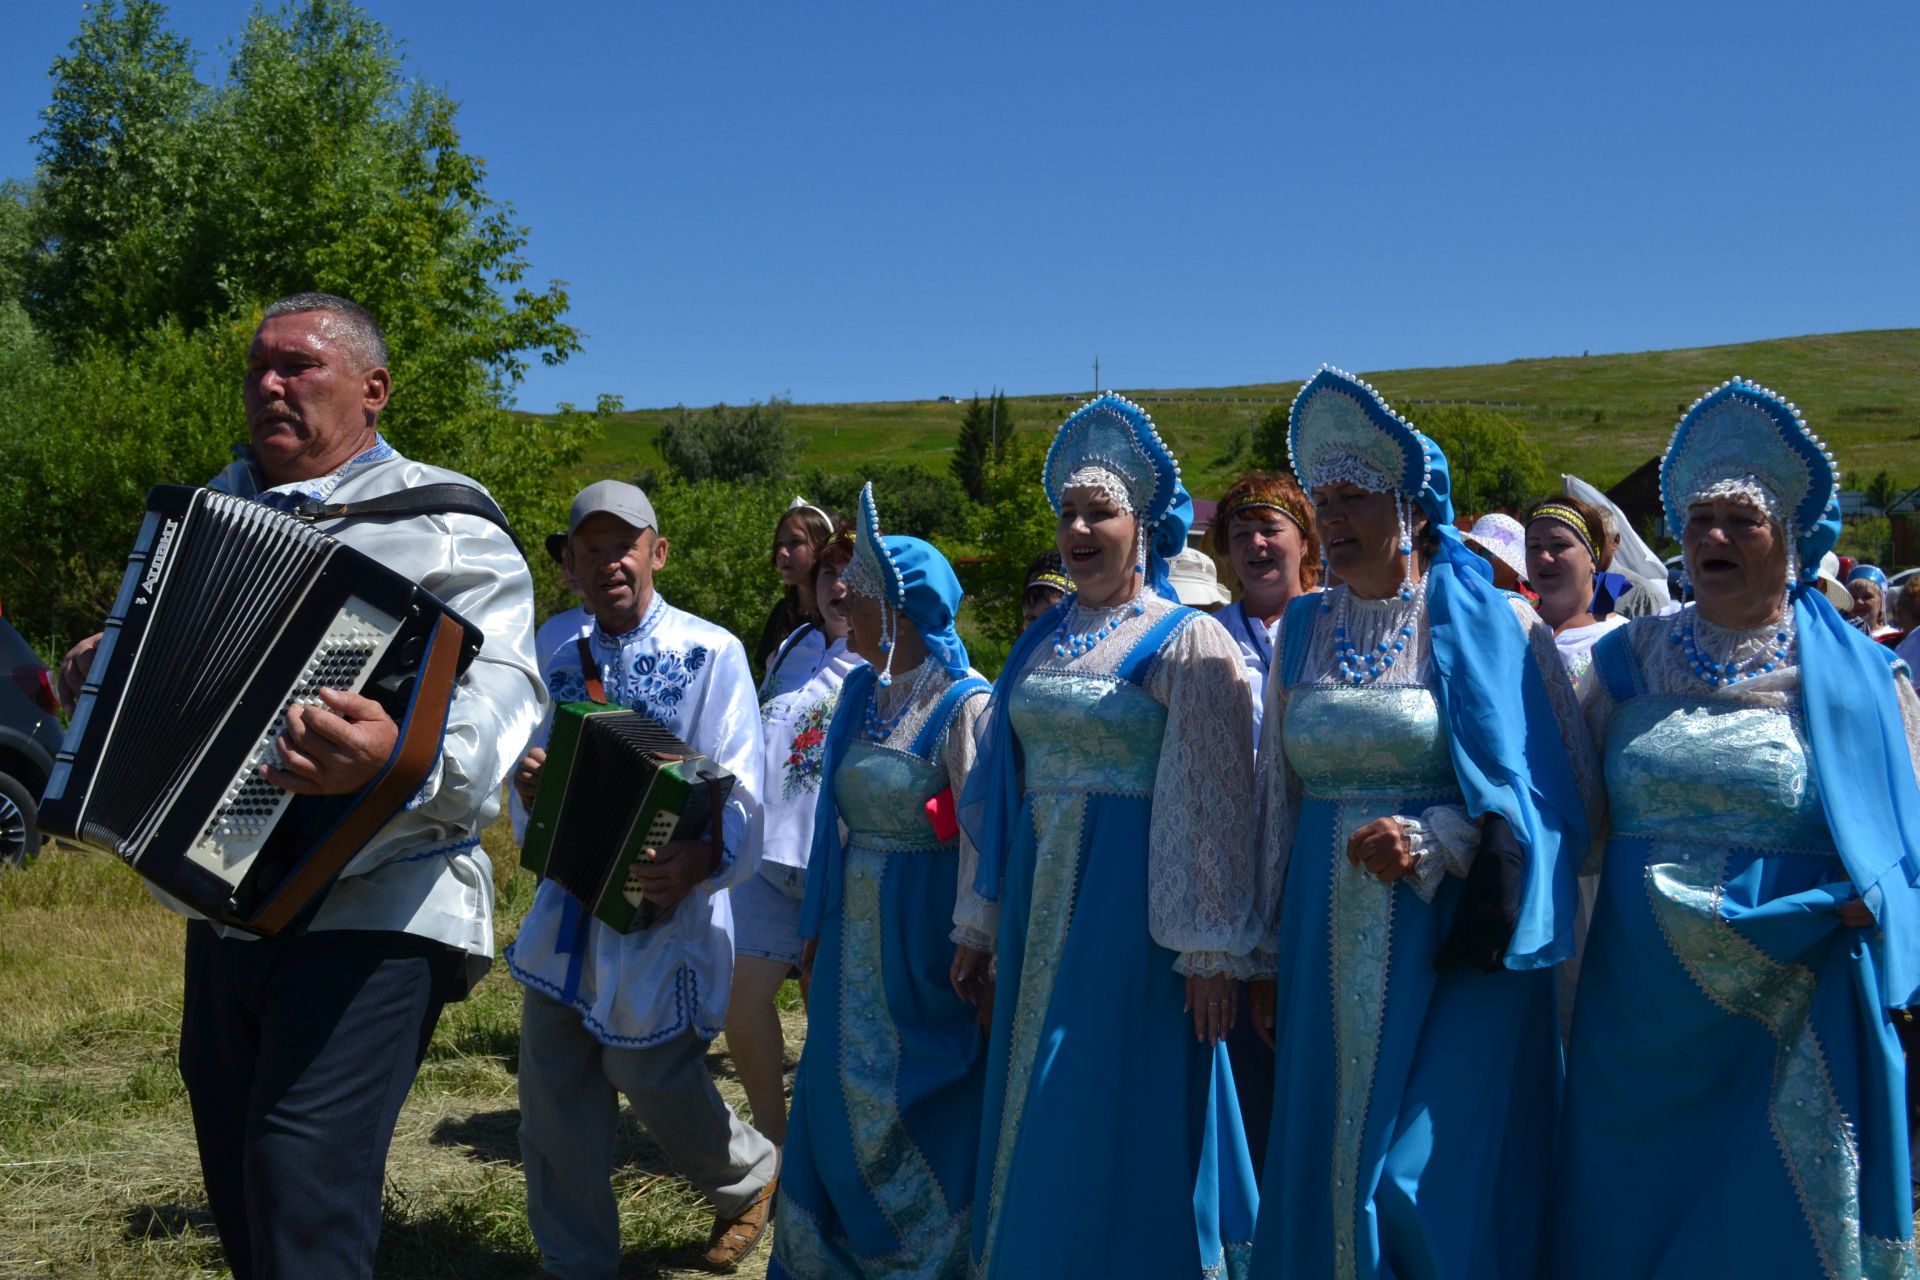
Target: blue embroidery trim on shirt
{"points": [[439, 851]]}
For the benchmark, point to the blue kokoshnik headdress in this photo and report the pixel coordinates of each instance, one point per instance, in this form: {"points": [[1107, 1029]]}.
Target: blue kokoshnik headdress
{"points": [[908, 577], [1506, 755], [1746, 441], [1869, 573], [1110, 444]]}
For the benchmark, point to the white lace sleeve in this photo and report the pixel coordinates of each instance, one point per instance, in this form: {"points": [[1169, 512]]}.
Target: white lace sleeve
{"points": [[976, 922], [1200, 881], [1443, 841], [1278, 789]]}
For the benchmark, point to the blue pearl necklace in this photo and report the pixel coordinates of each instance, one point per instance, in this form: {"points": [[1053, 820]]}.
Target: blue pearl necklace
{"points": [[1358, 668], [1074, 644], [876, 726], [1719, 674]]}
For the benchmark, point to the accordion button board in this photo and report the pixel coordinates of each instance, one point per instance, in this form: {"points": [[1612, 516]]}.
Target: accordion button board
{"points": [[230, 612], [615, 784], [250, 807]]}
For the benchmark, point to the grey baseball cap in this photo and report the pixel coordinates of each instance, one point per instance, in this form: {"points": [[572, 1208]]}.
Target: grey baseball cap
{"points": [[614, 498]]}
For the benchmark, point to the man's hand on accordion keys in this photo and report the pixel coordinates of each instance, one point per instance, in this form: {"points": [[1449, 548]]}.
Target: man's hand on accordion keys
{"points": [[669, 873], [333, 749]]}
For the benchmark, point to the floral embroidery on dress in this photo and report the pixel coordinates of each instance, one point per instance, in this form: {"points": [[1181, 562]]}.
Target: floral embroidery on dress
{"points": [[808, 749]]}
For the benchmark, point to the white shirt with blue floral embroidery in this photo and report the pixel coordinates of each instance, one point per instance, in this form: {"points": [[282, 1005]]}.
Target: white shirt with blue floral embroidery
{"points": [[644, 988]]}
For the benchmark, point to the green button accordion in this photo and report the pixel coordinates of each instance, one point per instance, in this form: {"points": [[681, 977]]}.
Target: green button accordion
{"points": [[616, 783]]}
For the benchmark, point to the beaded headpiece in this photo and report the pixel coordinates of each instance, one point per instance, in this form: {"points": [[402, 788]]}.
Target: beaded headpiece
{"points": [[1110, 444], [1745, 440], [1113, 437], [872, 573], [1341, 432]]}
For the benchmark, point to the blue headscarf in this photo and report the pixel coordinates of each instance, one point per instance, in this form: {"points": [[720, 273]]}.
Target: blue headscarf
{"points": [[1507, 752], [915, 579], [1868, 573], [912, 578], [1750, 436]]}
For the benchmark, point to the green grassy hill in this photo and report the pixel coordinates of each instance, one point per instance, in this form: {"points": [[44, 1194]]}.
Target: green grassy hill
{"points": [[1597, 416]]}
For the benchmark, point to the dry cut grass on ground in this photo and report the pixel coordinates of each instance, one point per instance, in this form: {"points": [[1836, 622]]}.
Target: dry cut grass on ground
{"points": [[98, 1171]]}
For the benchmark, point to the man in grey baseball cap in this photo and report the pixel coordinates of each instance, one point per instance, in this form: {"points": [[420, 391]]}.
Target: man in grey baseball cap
{"points": [[606, 1012], [614, 498]]}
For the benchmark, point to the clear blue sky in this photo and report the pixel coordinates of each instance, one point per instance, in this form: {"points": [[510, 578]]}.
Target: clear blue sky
{"points": [[859, 201]]}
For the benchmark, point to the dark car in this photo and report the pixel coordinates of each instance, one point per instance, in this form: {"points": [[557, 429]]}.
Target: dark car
{"points": [[30, 733]]}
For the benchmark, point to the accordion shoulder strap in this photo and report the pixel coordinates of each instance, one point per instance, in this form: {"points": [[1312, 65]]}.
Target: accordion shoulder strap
{"points": [[421, 500], [590, 672]]}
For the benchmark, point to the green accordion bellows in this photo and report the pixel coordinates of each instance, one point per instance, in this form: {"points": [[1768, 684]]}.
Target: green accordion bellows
{"points": [[615, 784]]}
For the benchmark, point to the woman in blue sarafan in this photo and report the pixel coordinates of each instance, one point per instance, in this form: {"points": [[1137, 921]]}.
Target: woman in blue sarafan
{"points": [[877, 1177], [1735, 1090], [1424, 815], [1112, 807]]}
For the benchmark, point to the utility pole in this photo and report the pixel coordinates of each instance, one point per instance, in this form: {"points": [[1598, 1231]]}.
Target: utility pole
{"points": [[996, 423], [1096, 375]]}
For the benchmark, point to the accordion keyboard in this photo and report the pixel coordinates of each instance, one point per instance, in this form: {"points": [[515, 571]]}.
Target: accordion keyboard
{"points": [[659, 831], [251, 805]]}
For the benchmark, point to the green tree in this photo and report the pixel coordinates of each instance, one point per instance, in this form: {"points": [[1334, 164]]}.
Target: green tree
{"points": [[119, 167], [1014, 525], [912, 500], [1881, 492], [985, 431], [1269, 443], [719, 538], [752, 443], [1491, 462], [973, 449], [167, 212]]}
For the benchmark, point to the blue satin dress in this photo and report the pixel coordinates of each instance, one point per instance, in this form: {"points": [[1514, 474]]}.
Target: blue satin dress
{"points": [[877, 1178], [1735, 1094], [1111, 1139], [1413, 1110]]}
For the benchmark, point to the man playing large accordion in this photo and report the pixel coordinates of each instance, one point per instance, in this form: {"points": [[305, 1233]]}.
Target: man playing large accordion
{"points": [[298, 1048]]}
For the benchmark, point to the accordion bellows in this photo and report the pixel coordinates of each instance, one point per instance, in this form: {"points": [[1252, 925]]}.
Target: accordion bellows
{"points": [[616, 783], [229, 613]]}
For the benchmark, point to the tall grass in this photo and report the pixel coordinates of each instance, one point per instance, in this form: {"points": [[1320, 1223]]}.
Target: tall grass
{"points": [[98, 1171]]}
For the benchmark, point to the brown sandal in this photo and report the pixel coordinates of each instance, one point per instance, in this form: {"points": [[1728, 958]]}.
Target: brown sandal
{"points": [[734, 1238]]}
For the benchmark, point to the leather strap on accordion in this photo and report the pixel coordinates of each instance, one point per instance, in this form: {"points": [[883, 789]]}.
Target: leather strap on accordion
{"points": [[421, 500], [590, 672], [407, 768]]}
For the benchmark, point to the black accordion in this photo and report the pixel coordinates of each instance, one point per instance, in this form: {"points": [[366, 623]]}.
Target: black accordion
{"points": [[230, 612], [615, 784]]}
